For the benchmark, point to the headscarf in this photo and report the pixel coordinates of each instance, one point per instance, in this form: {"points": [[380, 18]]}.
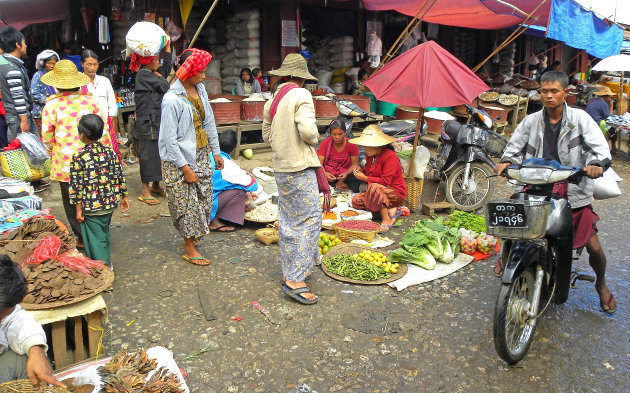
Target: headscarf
{"points": [[196, 62], [137, 61], [48, 53]]}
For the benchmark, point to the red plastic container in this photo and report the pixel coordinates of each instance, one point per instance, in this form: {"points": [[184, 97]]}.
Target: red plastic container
{"points": [[325, 108], [252, 110]]}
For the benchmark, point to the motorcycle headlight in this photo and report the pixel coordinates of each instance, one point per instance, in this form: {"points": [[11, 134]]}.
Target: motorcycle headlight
{"points": [[531, 175]]}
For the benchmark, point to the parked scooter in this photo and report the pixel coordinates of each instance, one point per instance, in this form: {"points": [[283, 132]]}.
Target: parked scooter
{"points": [[463, 160], [536, 231]]}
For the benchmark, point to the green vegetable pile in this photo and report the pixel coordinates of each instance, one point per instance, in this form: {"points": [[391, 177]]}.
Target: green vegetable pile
{"points": [[405, 153], [472, 222], [355, 268], [426, 243]]}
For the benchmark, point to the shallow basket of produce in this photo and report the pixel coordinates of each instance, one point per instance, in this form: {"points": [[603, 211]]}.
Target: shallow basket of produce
{"points": [[356, 229], [341, 264]]}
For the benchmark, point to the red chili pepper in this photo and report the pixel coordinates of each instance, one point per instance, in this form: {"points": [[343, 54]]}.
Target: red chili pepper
{"points": [[238, 318]]}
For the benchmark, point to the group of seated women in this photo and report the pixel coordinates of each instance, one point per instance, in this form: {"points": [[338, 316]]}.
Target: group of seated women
{"points": [[386, 189]]}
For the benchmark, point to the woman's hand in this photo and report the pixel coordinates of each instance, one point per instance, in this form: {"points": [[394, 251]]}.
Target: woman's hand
{"points": [[218, 163], [359, 174], [342, 177], [38, 368], [189, 175], [124, 204], [330, 177], [253, 196]]}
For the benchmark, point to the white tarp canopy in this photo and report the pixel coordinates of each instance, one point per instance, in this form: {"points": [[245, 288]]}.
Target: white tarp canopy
{"points": [[20, 13], [614, 10]]}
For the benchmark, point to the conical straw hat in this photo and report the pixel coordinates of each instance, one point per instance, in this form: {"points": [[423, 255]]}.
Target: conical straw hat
{"points": [[65, 76], [293, 65], [373, 136]]}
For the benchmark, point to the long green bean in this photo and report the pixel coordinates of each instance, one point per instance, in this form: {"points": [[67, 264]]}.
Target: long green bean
{"points": [[354, 268]]}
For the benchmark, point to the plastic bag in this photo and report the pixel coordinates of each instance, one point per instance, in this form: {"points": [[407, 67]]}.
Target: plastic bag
{"points": [[606, 186], [486, 244], [34, 149], [146, 39]]}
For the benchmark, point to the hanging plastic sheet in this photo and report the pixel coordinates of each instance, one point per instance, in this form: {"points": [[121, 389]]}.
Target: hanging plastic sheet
{"points": [[582, 29]]}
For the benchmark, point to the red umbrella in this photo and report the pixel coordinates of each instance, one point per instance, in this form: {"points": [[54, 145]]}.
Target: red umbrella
{"points": [[426, 75]]}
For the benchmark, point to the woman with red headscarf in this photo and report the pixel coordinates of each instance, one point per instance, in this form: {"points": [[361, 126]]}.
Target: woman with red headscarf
{"points": [[150, 86], [188, 135]]}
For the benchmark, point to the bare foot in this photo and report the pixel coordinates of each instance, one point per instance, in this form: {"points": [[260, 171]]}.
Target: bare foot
{"points": [[606, 299]]}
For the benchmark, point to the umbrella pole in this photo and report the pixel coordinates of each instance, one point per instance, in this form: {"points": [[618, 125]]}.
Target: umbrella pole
{"points": [[415, 141]]}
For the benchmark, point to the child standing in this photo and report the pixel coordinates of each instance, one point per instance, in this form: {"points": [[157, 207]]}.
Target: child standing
{"points": [[97, 185]]}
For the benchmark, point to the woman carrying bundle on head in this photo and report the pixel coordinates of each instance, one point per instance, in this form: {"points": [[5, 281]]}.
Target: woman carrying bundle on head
{"points": [[151, 84], [188, 135]]}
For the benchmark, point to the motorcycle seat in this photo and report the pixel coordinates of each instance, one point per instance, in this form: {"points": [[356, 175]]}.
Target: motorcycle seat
{"points": [[451, 128]]}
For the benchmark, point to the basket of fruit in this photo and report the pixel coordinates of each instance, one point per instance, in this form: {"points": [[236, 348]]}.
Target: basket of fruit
{"points": [[326, 242], [357, 264], [356, 229]]}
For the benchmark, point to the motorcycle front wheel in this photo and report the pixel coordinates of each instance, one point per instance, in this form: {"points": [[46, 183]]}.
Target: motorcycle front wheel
{"points": [[479, 188], [512, 334]]}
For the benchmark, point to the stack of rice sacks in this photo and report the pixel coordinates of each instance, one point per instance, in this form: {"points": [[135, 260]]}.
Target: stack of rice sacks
{"points": [[242, 48]]}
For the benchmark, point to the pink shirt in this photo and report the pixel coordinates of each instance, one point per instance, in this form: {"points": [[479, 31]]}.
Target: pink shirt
{"points": [[337, 162]]}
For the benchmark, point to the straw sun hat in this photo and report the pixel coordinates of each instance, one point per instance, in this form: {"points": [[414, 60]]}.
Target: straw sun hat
{"points": [[65, 76], [293, 65], [604, 91], [373, 136]]}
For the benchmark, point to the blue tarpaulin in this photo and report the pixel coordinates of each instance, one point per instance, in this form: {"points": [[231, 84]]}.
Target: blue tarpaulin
{"points": [[581, 29]]}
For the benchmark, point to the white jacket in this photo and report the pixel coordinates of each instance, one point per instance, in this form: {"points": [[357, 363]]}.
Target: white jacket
{"points": [[19, 332]]}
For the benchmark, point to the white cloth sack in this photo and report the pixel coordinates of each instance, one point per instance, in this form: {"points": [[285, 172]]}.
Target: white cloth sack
{"points": [[606, 187], [145, 39]]}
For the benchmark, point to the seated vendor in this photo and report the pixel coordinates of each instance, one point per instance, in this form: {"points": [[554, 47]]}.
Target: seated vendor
{"points": [[358, 86], [233, 189], [386, 189], [247, 84], [22, 340], [339, 158], [600, 108]]}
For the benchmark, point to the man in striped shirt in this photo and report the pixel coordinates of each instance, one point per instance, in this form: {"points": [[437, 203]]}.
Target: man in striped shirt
{"points": [[15, 84]]}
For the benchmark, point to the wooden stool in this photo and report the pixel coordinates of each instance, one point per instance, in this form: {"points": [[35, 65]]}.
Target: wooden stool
{"points": [[499, 127], [429, 209], [84, 347]]}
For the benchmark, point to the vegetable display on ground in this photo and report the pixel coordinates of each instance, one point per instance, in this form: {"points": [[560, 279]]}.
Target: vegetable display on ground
{"points": [[326, 242], [471, 221], [355, 268]]}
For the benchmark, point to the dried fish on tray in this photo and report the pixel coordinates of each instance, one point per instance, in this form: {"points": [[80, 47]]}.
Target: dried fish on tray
{"points": [[489, 96], [508, 100]]}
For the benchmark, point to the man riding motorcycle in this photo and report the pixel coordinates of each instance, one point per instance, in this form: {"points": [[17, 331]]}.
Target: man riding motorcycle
{"points": [[571, 137]]}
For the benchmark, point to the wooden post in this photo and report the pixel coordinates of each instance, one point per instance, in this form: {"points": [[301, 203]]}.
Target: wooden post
{"points": [[95, 333], [79, 344], [60, 351]]}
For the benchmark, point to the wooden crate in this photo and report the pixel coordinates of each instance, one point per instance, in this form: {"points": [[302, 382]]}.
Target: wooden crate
{"points": [[75, 339]]}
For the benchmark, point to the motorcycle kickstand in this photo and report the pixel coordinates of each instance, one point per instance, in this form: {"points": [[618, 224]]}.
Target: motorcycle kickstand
{"points": [[575, 275]]}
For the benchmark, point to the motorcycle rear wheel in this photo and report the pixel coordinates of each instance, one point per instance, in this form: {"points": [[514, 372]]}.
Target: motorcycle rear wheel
{"points": [[480, 186], [512, 335]]}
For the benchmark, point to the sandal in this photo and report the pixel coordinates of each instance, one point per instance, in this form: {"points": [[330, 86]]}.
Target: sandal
{"points": [[151, 201], [607, 304], [160, 193], [295, 294], [218, 229], [199, 261], [384, 228], [498, 268]]}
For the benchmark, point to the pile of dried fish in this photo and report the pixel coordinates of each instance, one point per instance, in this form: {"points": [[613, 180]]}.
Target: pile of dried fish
{"points": [[19, 243], [127, 373], [52, 281], [508, 100]]}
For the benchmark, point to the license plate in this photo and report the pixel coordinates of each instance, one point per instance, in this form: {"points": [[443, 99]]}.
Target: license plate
{"points": [[506, 215]]}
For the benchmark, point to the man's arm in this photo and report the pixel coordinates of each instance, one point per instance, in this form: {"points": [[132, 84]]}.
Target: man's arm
{"points": [[18, 95]]}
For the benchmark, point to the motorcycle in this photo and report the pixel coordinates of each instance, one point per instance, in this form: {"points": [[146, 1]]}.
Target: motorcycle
{"points": [[536, 231], [463, 160]]}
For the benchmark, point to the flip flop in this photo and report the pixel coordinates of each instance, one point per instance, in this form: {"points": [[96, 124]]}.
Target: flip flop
{"points": [[159, 193], [295, 294], [218, 229], [151, 201], [385, 228], [607, 304], [194, 260]]}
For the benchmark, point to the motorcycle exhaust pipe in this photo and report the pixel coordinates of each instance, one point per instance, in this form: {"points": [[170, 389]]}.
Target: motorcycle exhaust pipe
{"points": [[540, 275]]}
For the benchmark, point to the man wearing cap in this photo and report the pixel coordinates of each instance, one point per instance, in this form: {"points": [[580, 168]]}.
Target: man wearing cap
{"points": [[601, 107]]}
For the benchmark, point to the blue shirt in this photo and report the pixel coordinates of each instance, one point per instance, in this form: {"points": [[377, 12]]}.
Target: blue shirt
{"points": [[40, 92], [219, 184], [598, 109]]}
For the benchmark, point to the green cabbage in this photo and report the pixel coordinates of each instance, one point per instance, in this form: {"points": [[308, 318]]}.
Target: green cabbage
{"points": [[418, 256]]}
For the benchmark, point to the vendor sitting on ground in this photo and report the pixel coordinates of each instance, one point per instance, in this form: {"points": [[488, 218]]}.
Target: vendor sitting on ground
{"points": [[233, 189], [386, 189], [600, 108], [247, 84], [339, 158], [22, 340]]}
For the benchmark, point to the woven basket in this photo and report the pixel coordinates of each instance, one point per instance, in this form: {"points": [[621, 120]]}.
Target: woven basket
{"points": [[350, 249], [348, 234], [25, 386], [267, 235], [414, 193]]}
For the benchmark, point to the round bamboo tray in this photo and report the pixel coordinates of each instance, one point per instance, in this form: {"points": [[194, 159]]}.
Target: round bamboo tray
{"points": [[348, 234], [350, 249], [108, 280], [25, 386], [267, 235]]}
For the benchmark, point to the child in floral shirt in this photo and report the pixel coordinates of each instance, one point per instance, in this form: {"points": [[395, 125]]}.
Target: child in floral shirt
{"points": [[97, 185]]}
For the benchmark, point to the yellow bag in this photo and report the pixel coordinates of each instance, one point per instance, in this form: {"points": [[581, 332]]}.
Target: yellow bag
{"points": [[15, 165]]}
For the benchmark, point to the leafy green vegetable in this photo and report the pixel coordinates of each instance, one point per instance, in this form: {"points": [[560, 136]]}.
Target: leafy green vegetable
{"points": [[472, 222], [405, 153], [418, 256]]}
